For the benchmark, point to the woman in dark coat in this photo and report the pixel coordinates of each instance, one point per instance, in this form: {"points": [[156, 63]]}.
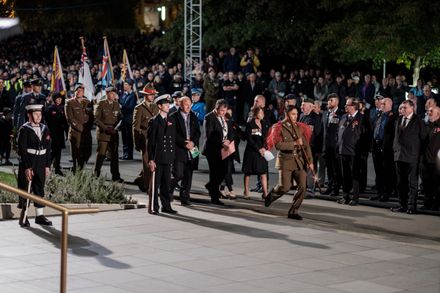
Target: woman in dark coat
{"points": [[254, 162], [57, 123]]}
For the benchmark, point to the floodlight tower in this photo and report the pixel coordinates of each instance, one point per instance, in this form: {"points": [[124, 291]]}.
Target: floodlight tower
{"points": [[192, 37]]}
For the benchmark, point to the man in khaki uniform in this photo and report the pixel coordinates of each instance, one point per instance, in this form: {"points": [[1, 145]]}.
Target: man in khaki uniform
{"points": [[77, 118], [141, 116], [107, 116], [293, 158]]}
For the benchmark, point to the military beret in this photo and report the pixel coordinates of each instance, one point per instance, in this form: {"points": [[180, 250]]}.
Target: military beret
{"points": [[289, 97], [177, 94], [111, 89], [129, 81]]}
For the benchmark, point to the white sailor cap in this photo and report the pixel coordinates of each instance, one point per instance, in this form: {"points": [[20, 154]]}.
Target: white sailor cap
{"points": [[34, 108], [163, 99]]}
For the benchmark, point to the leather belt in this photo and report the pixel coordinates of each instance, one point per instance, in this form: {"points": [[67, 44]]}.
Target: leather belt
{"points": [[36, 152]]}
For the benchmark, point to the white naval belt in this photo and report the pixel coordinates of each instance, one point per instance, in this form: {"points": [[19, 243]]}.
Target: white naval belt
{"points": [[36, 152]]}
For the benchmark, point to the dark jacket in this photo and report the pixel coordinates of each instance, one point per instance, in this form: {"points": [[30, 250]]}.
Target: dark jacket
{"points": [[182, 153], [330, 129], [408, 140], [34, 152], [349, 135], [250, 92], [161, 140], [214, 135], [315, 122], [432, 143], [57, 123]]}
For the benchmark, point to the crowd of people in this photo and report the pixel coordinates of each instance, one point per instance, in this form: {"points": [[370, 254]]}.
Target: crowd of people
{"points": [[347, 117]]}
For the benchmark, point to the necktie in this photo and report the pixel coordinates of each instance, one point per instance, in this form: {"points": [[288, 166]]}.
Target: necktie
{"points": [[404, 122]]}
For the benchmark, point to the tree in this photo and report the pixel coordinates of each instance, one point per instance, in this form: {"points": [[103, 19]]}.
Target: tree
{"points": [[373, 30], [283, 26]]}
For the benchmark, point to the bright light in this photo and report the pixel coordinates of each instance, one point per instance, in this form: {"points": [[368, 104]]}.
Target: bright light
{"points": [[163, 13]]}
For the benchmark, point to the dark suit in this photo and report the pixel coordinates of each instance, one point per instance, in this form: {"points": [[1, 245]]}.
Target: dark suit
{"points": [[330, 122], [349, 136], [249, 93], [161, 149], [183, 162], [407, 150], [212, 151], [383, 156]]}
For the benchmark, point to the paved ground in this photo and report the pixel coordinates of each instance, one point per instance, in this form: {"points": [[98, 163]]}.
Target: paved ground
{"points": [[242, 247]]}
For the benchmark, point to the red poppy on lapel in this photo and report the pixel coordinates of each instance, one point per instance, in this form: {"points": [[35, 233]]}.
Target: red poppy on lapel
{"points": [[169, 123]]}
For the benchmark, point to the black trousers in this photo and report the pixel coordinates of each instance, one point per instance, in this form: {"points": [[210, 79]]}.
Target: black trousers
{"points": [[407, 183], [333, 169], [37, 185], [56, 158], [182, 171], [162, 184], [229, 170], [431, 185], [385, 170], [350, 175], [363, 172], [127, 139], [217, 173]]}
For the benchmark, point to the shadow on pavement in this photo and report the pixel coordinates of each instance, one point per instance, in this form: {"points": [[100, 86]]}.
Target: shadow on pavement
{"points": [[243, 230], [79, 246]]}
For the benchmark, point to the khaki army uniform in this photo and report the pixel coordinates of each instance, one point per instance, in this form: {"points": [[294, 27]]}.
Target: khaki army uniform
{"points": [[77, 118], [141, 116], [107, 116], [291, 162]]}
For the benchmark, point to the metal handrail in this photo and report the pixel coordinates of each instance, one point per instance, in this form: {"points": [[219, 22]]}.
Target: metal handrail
{"points": [[65, 213]]}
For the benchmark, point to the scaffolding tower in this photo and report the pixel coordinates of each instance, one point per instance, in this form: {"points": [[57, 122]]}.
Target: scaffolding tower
{"points": [[192, 37]]}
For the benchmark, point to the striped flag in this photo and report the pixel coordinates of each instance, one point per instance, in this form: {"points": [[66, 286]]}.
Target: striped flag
{"points": [[57, 83], [110, 76]]}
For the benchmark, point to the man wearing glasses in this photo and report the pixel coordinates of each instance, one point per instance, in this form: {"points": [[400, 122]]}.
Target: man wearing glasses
{"points": [[351, 129]]}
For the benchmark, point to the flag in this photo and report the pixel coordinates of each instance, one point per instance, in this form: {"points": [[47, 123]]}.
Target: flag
{"points": [[105, 75], [110, 74], [57, 82], [85, 77], [126, 68]]}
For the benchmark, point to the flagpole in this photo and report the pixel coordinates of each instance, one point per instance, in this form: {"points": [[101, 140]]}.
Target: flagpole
{"points": [[107, 49]]}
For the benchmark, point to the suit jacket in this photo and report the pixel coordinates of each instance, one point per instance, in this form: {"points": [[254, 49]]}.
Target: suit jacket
{"points": [[330, 129], [161, 140], [349, 135], [315, 122], [408, 140], [182, 153], [249, 93], [214, 136], [389, 130]]}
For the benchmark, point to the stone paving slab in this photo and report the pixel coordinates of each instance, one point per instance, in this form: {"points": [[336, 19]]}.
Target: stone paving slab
{"points": [[210, 249]]}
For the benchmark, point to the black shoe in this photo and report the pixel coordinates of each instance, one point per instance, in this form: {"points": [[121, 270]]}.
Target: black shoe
{"points": [[24, 224], [328, 191], [186, 203], [217, 202], [411, 211], [118, 180], [42, 220], [295, 217], [153, 212], [7, 163], [353, 202], [169, 211], [399, 210], [58, 172]]}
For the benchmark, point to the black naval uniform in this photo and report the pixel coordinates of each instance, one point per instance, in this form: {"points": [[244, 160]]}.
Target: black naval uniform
{"points": [[57, 123], [34, 153], [161, 150]]}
